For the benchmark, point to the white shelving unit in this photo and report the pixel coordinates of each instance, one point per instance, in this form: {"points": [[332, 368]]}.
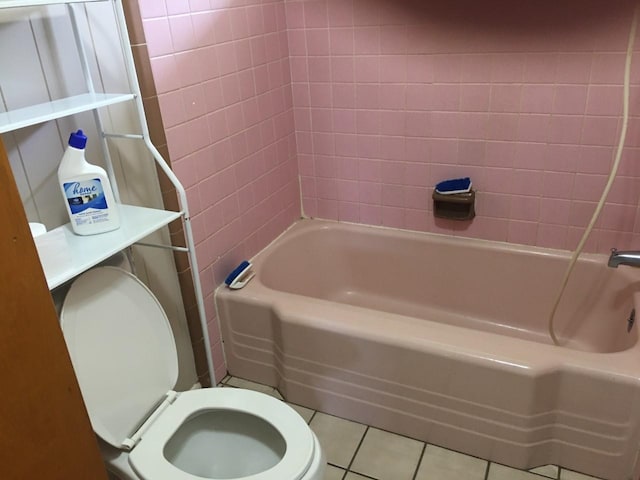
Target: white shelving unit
{"points": [[63, 254], [43, 112]]}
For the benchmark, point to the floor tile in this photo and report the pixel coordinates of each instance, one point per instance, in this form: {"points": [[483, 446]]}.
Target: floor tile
{"points": [[333, 473], [355, 476], [569, 475], [500, 472], [550, 471], [241, 383], [442, 464], [387, 456], [304, 412], [339, 438], [256, 387]]}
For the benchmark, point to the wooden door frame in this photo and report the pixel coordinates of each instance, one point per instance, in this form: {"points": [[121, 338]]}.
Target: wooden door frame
{"points": [[44, 427]]}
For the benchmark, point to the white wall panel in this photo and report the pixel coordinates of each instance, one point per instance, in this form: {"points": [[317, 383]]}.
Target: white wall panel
{"points": [[39, 62], [20, 176], [40, 149]]}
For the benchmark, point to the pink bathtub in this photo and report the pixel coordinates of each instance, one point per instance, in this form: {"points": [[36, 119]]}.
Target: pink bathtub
{"points": [[445, 340]]}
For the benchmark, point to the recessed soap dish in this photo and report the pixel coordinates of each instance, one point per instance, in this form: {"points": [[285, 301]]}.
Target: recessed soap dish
{"points": [[457, 206]]}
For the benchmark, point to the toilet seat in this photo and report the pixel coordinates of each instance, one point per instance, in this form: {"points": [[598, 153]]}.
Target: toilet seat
{"points": [[148, 459]]}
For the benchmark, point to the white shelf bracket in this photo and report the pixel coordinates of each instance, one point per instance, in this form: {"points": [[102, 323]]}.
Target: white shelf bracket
{"points": [[165, 247]]}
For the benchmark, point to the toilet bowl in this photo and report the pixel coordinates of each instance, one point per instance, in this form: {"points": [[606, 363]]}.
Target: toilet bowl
{"points": [[124, 355]]}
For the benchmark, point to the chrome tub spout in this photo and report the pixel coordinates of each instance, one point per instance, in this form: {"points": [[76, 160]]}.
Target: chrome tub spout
{"points": [[624, 258]]}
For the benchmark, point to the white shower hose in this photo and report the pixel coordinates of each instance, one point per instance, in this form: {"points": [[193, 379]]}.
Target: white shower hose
{"points": [[612, 175]]}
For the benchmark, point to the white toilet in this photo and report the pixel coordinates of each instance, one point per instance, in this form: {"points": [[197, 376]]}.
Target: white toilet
{"points": [[124, 356]]}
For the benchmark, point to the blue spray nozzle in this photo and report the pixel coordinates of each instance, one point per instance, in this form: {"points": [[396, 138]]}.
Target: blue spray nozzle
{"points": [[78, 140]]}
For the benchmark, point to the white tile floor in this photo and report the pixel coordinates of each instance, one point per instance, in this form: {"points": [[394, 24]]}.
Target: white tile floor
{"points": [[359, 452]]}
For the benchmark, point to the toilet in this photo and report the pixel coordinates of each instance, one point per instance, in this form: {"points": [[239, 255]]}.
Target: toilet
{"points": [[124, 355]]}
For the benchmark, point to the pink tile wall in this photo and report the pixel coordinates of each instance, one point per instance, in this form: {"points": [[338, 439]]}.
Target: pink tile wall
{"points": [[221, 69], [391, 97]]}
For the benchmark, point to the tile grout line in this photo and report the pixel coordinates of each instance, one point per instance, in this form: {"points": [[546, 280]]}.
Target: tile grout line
{"points": [[339, 468], [486, 472], [312, 417], [344, 475], [424, 449], [361, 475], [529, 471], [355, 453]]}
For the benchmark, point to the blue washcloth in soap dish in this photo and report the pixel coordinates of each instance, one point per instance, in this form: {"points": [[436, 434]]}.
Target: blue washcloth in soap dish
{"points": [[455, 185]]}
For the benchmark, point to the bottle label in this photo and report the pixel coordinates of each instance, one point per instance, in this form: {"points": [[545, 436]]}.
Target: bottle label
{"points": [[87, 201]]}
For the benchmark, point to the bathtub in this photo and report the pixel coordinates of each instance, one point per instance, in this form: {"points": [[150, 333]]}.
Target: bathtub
{"points": [[444, 339]]}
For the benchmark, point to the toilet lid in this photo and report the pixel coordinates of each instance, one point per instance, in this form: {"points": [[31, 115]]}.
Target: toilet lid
{"points": [[122, 349]]}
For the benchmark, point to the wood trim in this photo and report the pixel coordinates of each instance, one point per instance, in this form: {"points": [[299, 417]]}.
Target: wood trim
{"points": [[44, 427]]}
